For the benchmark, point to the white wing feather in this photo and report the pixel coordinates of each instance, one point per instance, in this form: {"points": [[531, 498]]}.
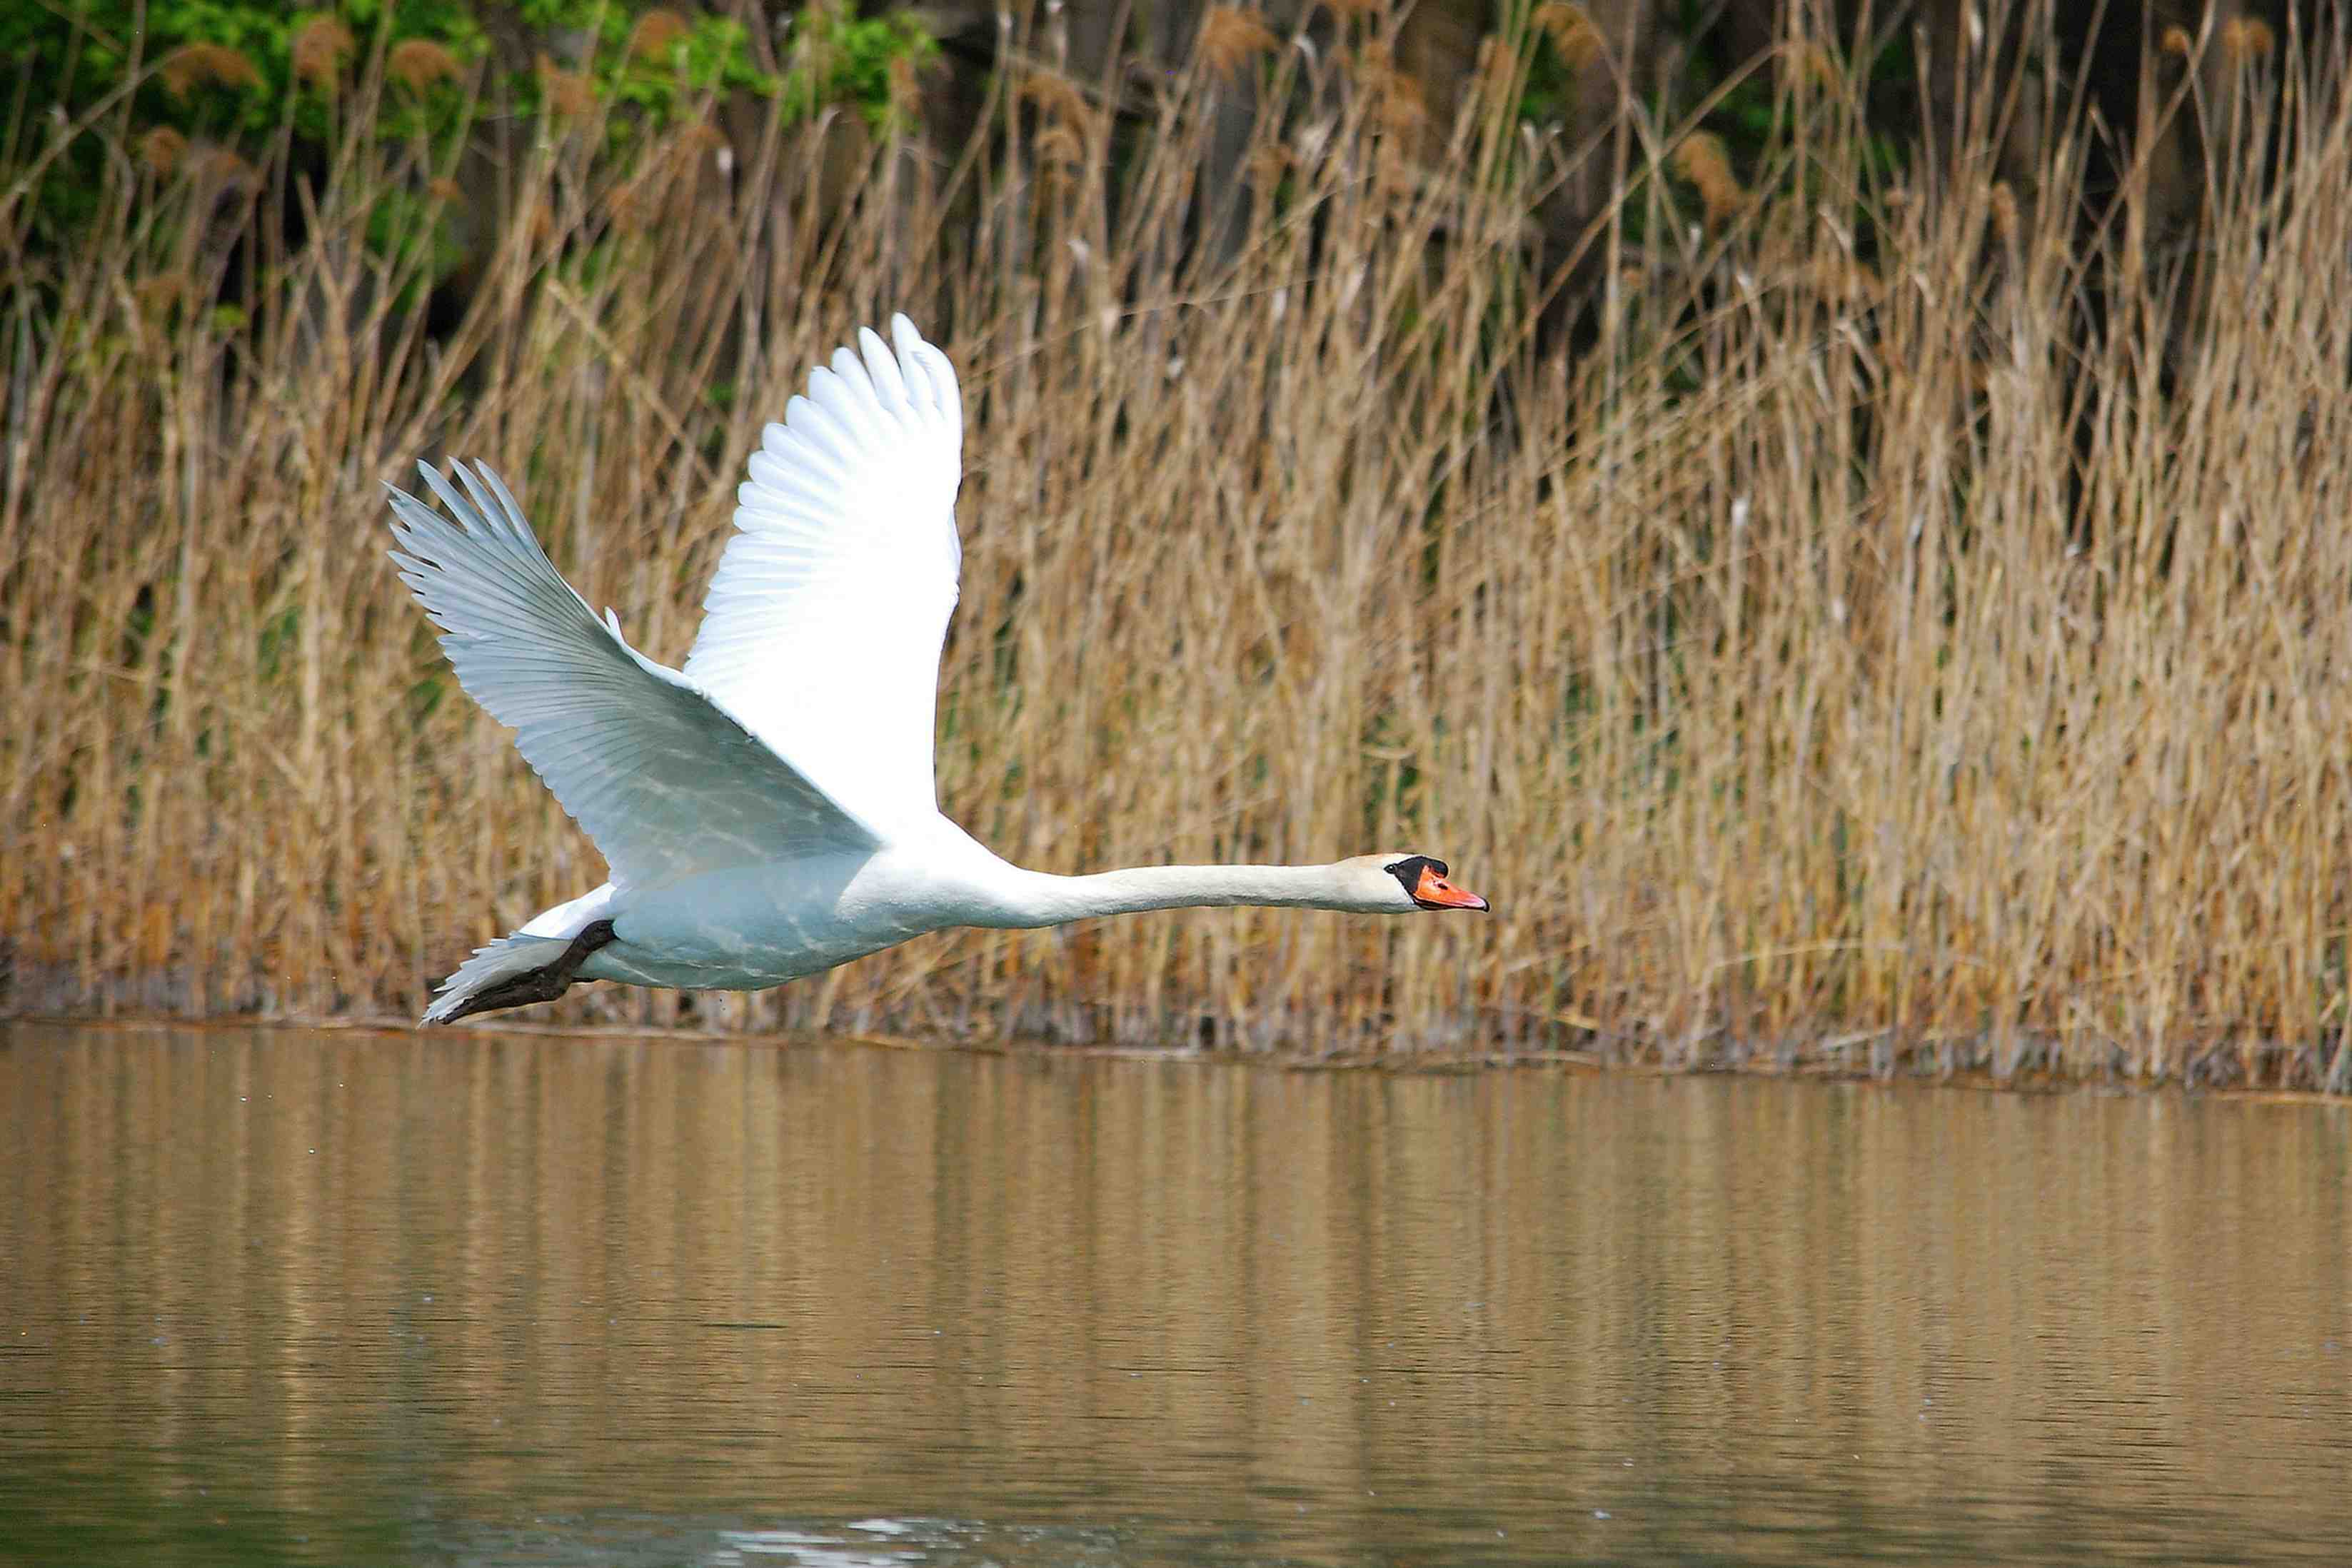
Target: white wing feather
{"points": [[659, 774], [823, 628]]}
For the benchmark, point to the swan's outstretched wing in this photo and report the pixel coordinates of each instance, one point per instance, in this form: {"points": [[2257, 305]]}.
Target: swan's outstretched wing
{"points": [[663, 778], [823, 624]]}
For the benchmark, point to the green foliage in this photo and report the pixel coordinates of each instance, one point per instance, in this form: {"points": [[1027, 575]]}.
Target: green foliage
{"points": [[89, 80], [1747, 106], [411, 230], [655, 62], [1549, 93], [1750, 109], [218, 73], [851, 60]]}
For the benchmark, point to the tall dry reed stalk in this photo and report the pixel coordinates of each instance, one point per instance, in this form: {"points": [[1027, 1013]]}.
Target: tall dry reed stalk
{"points": [[1859, 652]]}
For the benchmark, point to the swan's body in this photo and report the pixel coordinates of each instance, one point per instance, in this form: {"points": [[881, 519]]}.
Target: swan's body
{"points": [[769, 812]]}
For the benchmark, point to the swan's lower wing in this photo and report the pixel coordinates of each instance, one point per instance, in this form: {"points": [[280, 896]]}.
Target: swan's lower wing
{"points": [[665, 780]]}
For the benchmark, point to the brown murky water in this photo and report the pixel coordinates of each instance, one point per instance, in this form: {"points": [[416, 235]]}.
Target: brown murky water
{"points": [[342, 1298]]}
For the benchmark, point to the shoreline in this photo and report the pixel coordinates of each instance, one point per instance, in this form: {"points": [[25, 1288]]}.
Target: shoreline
{"points": [[1405, 1064]]}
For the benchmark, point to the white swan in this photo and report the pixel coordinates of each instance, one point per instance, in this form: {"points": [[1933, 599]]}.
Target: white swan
{"points": [[769, 812]]}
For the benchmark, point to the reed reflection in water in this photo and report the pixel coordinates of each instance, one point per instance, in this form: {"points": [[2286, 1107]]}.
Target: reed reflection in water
{"points": [[331, 1297]]}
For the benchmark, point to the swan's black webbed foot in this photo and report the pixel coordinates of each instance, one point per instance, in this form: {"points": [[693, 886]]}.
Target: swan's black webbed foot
{"points": [[540, 984]]}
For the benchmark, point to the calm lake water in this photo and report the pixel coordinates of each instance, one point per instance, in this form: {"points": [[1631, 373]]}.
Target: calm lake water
{"points": [[276, 1297]]}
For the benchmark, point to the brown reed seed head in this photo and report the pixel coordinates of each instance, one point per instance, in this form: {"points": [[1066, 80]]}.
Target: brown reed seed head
{"points": [[1498, 71], [221, 164], [1402, 109], [318, 47], [2003, 205], [1269, 161], [1703, 159], [1832, 280], [1573, 34], [695, 137], [564, 92], [1061, 151], [626, 206], [1062, 106], [162, 149], [1397, 105], [2176, 41], [442, 188], [656, 32], [198, 65], [158, 294], [906, 92], [417, 63], [2247, 39], [1373, 69], [1231, 37], [1058, 98]]}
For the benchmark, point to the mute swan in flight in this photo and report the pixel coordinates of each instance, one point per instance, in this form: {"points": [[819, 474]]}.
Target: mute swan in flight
{"points": [[769, 812]]}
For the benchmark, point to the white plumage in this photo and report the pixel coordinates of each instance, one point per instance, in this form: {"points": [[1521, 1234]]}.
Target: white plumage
{"points": [[769, 811], [848, 553]]}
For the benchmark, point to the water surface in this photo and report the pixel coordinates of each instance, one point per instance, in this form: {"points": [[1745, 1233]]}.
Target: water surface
{"points": [[276, 1297]]}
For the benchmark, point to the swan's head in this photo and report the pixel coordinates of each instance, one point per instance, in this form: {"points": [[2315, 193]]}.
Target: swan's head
{"points": [[1394, 884]]}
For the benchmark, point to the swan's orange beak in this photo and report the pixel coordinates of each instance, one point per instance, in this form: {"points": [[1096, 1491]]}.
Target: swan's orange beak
{"points": [[1435, 892]]}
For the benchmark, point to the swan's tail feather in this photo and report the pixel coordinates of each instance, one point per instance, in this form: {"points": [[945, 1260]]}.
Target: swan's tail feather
{"points": [[504, 962]]}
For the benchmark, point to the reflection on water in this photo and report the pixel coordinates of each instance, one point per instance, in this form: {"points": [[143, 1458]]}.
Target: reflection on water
{"points": [[277, 1297]]}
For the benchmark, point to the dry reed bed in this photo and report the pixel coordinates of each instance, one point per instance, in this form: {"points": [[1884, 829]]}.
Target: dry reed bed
{"points": [[1846, 661]]}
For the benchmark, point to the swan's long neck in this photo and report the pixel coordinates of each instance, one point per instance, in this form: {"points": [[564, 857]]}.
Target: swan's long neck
{"points": [[1040, 899]]}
